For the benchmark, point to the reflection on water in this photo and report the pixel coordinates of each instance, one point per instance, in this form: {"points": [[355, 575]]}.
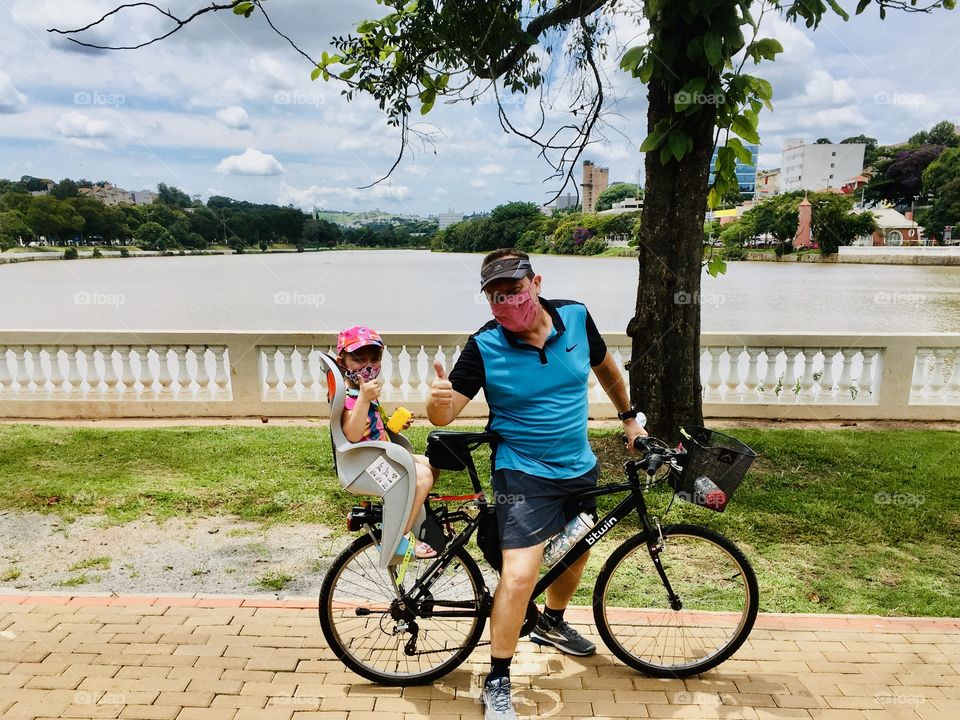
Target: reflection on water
{"points": [[395, 290]]}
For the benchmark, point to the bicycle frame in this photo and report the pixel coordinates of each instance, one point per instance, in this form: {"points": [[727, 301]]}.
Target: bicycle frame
{"points": [[633, 502]]}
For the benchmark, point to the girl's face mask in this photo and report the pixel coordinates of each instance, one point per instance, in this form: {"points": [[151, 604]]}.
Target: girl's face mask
{"points": [[364, 374], [516, 313]]}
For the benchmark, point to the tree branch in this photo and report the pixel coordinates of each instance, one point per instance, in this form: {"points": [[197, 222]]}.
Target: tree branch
{"points": [[560, 15], [179, 24]]}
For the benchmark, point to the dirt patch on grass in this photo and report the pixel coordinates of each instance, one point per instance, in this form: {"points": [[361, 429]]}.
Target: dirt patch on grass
{"points": [[181, 555]]}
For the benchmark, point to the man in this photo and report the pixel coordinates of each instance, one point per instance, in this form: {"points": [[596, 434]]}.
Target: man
{"points": [[533, 362]]}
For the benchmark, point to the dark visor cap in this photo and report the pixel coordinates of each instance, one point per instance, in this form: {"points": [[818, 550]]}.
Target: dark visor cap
{"points": [[512, 268]]}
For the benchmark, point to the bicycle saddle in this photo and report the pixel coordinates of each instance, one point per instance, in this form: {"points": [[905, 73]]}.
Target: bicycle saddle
{"points": [[450, 449]]}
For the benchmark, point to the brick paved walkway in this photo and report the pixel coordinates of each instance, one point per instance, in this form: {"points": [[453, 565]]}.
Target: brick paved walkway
{"points": [[228, 658]]}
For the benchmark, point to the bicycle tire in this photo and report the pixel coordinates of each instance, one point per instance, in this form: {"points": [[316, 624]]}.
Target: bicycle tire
{"points": [[691, 562], [364, 548]]}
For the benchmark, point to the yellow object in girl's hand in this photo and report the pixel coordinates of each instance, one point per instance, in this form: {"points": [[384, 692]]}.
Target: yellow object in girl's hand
{"points": [[398, 419]]}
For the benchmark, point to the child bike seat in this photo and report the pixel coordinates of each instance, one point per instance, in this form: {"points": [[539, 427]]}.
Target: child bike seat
{"points": [[383, 469]]}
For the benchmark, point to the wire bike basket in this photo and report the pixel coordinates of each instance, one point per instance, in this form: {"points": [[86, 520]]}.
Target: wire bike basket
{"points": [[714, 466]]}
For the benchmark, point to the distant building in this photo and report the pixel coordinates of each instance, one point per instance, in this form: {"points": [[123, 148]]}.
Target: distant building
{"points": [[46, 190], [623, 206], [107, 194], [595, 181], [893, 228], [142, 197], [816, 167], [746, 172], [768, 183], [449, 218]]}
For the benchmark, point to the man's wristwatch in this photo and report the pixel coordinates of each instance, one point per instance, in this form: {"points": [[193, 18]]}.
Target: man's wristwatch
{"points": [[631, 414]]}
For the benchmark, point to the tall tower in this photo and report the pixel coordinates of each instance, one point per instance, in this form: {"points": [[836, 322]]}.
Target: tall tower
{"points": [[595, 180]]}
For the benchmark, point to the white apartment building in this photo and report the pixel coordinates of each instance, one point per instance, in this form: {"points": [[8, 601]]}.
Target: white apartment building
{"points": [[449, 218], [818, 167]]}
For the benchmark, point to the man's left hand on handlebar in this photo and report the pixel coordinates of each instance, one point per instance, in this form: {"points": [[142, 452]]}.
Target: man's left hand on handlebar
{"points": [[632, 429]]}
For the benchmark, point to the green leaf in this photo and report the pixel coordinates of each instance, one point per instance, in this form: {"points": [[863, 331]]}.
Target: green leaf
{"points": [[716, 266], [677, 141], [245, 9], [632, 57], [427, 97], [349, 72], [316, 72], [745, 129], [442, 80], [766, 48], [762, 88], [665, 154], [742, 154], [656, 138], [714, 197], [367, 26], [694, 85], [862, 5], [839, 10], [645, 71], [713, 47]]}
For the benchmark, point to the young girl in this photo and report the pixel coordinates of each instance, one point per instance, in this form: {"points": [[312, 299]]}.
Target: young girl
{"points": [[359, 352]]}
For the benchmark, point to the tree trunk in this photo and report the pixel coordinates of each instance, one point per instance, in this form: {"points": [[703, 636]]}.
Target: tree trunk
{"points": [[665, 330]]}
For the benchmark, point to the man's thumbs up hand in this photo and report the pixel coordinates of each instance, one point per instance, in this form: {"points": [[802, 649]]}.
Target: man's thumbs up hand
{"points": [[441, 389]]}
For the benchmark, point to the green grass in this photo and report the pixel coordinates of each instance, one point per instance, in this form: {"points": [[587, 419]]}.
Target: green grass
{"points": [[273, 580], [833, 521], [100, 563], [78, 580], [10, 574]]}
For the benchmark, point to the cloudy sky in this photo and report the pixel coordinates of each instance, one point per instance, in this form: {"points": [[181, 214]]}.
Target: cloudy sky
{"points": [[226, 107]]}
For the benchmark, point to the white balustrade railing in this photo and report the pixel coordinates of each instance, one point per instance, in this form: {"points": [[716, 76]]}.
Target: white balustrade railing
{"points": [[109, 373], [162, 374]]}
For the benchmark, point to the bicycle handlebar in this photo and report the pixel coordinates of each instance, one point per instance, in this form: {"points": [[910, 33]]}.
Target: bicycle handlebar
{"points": [[655, 452]]}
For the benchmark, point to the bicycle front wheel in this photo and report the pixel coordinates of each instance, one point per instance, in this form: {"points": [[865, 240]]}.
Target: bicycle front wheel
{"points": [[712, 610], [393, 640]]}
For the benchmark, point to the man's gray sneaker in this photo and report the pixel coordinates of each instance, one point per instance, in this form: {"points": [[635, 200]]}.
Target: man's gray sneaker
{"points": [[497, 703], [562, 637]]}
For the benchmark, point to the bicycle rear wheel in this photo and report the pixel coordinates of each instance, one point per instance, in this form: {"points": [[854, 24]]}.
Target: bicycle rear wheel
{"points": [[394, 643], [717, 598]]}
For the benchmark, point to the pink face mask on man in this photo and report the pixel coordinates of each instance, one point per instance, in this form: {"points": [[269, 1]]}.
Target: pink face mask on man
{"points": [[516, 313]]}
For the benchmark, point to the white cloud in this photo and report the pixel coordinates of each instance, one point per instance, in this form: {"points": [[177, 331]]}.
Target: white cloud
{"points": [[478, 183], [77, 125], [275, 73], [11, 99], [491, 169], [234, 117], [85, 144], [251, 162], [321, 195]]}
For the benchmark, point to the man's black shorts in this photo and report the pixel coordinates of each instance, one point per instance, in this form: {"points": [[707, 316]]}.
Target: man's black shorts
{"points": [[532, 509]]}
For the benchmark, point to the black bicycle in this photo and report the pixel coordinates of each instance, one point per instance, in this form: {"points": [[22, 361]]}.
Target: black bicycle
{"points": [[670, 601]]}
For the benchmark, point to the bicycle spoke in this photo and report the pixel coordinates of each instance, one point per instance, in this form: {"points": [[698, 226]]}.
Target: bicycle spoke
{"points": [[379, 636], [711, 587]]}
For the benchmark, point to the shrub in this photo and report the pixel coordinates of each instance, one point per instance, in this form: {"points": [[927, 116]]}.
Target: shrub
{"points": [[70, 253]]}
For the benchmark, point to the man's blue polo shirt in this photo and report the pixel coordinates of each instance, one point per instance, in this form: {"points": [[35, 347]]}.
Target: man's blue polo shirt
{"points": [[537, 397]]}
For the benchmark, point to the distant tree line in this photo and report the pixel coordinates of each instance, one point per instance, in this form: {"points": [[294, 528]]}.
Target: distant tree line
{"points": [[174, 221], [774, 221], [921, 175], [524, 226]]}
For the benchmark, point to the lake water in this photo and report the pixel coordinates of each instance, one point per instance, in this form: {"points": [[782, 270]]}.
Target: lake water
{"points": [[397, 290]]}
